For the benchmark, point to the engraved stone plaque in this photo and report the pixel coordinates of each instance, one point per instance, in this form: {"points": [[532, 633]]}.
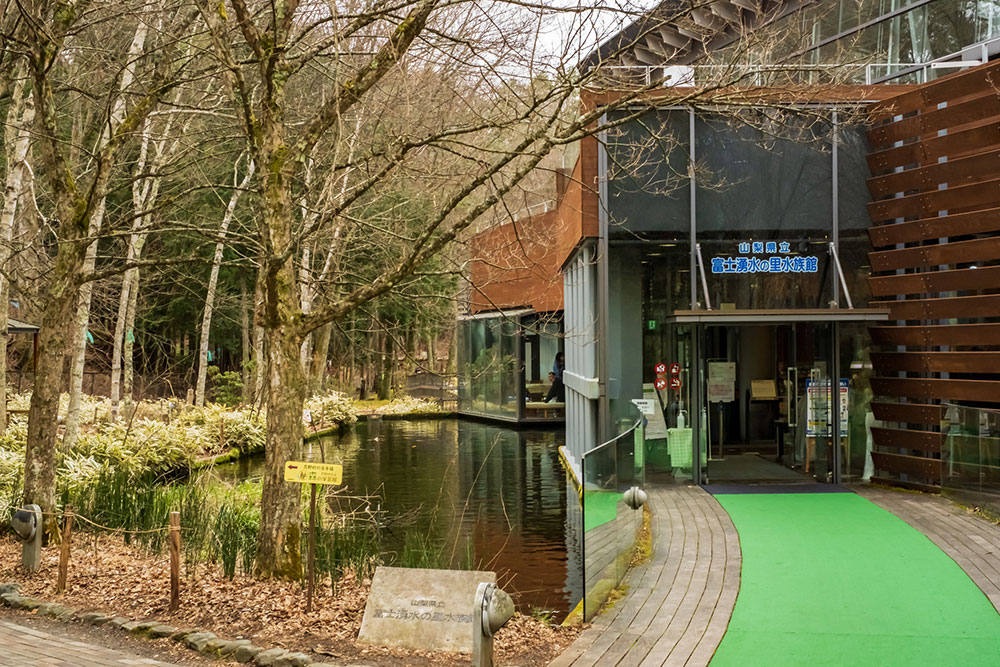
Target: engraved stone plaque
{"points": [[421, 609]]}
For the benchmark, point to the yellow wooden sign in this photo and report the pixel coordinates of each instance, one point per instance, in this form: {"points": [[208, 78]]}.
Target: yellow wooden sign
{"points": [[313, 473]]}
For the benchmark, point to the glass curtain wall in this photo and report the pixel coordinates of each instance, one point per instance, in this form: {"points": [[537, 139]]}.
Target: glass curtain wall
{"points": [[504, 363], [769, 196], [883, 38], [765, 209]]}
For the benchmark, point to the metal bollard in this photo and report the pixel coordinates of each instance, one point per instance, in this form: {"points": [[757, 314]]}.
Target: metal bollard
{"points": [[27, 523], [491, 610]]}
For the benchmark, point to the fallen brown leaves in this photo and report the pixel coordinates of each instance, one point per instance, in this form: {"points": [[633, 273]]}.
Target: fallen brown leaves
{"points": [[109, 576]]}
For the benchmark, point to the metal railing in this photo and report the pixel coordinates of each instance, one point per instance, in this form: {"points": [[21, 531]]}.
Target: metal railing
{"points": [[610, 527]]}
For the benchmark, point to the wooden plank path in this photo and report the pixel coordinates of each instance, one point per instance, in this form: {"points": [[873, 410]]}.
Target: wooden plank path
{"points": [[970, 540], [678, 603]]}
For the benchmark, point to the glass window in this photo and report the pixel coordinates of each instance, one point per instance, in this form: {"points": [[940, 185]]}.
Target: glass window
{"points": [[764, 207], [648, 187]]}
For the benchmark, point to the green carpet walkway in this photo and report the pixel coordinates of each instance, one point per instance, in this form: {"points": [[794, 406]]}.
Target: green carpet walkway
{"points": [[832, 579]]}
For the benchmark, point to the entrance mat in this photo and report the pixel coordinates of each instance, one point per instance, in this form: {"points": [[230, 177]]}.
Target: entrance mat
{"points": [[752, 468], [719, 489], [832, 579]]}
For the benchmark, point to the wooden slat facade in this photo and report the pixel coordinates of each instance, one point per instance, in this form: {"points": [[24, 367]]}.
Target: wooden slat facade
{"points": [[935, 210]]}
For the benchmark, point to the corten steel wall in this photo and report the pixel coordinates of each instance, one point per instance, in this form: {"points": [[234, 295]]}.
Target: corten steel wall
{"points": [[517, 264], [935, 160]]}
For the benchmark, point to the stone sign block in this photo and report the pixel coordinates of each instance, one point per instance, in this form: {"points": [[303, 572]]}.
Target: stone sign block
{"points": [[428, 610]]}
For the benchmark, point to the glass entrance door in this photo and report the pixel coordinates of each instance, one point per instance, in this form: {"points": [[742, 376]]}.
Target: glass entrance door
{"points": [[765, 403]]}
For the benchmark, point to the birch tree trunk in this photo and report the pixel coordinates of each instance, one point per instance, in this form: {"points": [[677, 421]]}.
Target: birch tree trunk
{"points": [[79, 352], [128, 345], [17, 135], [213, 280]]}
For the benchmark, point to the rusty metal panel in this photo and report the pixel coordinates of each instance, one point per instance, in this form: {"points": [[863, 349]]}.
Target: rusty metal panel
{"points": [[958, 224], [985, 391], [933, 282], [985, 194], [937, 362], [917, 466], [971, 169], [976, 250], [925, 441], [908, 413]]}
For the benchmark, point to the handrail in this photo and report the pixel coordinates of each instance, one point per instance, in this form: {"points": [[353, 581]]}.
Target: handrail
{"points": [[617, 437]]}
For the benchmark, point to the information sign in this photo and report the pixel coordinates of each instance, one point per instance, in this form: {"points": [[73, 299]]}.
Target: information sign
{"points": [[818, 407], [313, 473], [661, 383], [660, 368], [675, 383], [645, 405], [675, 368], [656, 428], [721, 381]]}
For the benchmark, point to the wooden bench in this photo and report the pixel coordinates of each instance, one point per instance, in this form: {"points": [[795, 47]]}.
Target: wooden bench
{"points": [[543, 409]]}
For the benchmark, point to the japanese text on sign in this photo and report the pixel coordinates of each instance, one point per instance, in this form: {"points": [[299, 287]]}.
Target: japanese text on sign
{"points": [[721, 381], [779, 260], [313, 473]]}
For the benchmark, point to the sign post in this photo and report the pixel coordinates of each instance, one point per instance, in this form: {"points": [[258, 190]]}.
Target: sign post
{"points": [[304, 472]]}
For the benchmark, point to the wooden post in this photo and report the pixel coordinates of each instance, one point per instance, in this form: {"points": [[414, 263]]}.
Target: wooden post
{"points": [[175, 560], [312, 546], [67, 536]]}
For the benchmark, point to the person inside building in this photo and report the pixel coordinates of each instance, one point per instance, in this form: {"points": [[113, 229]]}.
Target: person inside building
{"points": [[558, 365], [557, 392]]}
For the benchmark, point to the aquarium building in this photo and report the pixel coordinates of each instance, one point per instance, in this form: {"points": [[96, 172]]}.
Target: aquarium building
{"points": [[814, 286]]}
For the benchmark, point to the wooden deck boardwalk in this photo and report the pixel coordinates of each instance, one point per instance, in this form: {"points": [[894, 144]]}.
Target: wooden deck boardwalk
{"points": [[678, 603], [970, 540]]}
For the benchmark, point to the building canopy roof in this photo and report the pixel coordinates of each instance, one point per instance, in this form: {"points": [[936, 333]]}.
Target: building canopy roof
{"points": [[677, 32]]}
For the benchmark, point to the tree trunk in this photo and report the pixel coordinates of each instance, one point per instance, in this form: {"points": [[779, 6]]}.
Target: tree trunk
{"points": [[431, 353], [40, 454], [321, 352], [128, 346], [384, 375], [79, 351], [213, 281], [21, 114], [260, 361], [279, 541], [245, 347], [81, 323], [116, 354]]}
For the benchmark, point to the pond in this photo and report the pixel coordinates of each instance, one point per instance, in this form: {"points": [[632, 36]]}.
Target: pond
{"points": [[495, 497]]}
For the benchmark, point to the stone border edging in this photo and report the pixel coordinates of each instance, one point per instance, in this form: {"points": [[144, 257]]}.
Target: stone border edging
{"points": [[206, 643]]}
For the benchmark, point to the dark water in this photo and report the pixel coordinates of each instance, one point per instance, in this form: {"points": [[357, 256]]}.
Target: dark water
{"points": [[498, 492]]}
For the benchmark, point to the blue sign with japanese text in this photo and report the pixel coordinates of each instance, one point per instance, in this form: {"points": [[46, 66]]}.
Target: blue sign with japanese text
{"points": [[778, 260]]}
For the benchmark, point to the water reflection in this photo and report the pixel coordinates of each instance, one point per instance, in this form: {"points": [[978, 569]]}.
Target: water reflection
{"points": [[498, 492]]}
